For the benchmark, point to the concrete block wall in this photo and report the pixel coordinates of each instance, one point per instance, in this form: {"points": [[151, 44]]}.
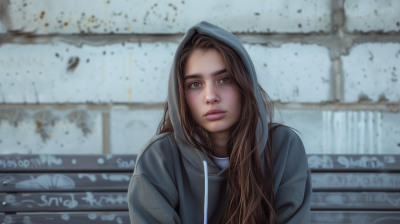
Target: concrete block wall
{"points": [[90, 77]]}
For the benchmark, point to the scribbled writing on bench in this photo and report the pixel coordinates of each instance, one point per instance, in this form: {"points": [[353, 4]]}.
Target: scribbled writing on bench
{"points": [[359, 200], [90, 198], [320, 161], [369, 181], [62, 201], [125, 164], [351, 161], [18, 162], [47, 181]]}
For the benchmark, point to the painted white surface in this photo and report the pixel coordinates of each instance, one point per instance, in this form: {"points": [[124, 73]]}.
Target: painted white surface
{"points": [[161, 16], [322, 132], [390, 137], [130, 130], [371, 72], [293, 72], [372, 15], [130, 72], [308, 125], [346, 132], [66, 136], [134, 72]]}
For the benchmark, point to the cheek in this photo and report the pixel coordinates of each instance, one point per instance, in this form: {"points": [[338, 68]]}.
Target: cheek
{"points": [[233, 99], [193, 103]]}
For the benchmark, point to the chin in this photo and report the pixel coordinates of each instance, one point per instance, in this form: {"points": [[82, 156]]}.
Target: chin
{"points": [[217, 127]]}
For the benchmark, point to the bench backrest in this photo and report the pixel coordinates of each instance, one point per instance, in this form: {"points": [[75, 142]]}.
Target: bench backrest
{"points": [[79, 187]]}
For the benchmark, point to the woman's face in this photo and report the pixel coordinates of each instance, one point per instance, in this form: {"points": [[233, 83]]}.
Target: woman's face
{"points": [[213, 100]]}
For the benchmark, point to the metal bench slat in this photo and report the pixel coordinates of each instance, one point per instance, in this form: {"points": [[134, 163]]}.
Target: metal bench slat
{"points": [[343, 217], [67, 218], [73, 201], [61, 182], [117, 201], [355, 163], [84, 163], [316, 217], [67, 163], [377, 201], [356, 181]]}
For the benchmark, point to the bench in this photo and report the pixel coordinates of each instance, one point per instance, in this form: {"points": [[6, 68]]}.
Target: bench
{"points": [[82, 189]]}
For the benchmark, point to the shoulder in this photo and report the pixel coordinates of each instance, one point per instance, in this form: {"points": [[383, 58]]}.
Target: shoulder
{"points": [[284, 133], [289, 152], [285, 140], [155, 164], [155, 153]]}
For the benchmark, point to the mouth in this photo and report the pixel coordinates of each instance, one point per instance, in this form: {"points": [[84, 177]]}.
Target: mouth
{"points": [[214, 114]]}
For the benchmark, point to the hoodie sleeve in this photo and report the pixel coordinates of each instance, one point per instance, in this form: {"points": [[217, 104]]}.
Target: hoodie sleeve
{"points": [[152, 192], [148, 203], [293, 197]]}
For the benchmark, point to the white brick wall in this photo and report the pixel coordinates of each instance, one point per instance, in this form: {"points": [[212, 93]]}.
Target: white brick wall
{"points": [[371, 72], [340, 79], [128, 72], [139, 73], [155, 16], [372, 15], [286, 72], [74, 131]]}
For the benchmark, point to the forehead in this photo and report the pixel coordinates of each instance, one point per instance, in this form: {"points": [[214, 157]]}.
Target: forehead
{"points": [[204, 62]]}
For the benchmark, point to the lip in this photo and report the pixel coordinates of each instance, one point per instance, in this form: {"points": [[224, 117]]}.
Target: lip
{"points": [[214, 114]]}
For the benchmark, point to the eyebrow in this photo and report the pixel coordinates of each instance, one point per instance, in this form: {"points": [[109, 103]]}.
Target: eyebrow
{"points": [[193, 76]]}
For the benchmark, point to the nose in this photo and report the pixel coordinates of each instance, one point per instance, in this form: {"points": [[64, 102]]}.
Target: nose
{"points": [[211, 94]]}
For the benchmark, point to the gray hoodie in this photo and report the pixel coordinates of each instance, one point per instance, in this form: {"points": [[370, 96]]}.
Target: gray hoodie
{"points": [[176, 183]]}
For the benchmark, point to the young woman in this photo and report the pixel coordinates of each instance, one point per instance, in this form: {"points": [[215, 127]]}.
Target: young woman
{"points": [[218, 158]]}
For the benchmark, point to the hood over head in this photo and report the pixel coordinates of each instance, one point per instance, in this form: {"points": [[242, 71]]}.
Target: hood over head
{"points": [[193, 155]]}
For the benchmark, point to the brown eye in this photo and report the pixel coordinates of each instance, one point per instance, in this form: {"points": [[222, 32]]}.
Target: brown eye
{"points": [[225, 80], [194, 85]]}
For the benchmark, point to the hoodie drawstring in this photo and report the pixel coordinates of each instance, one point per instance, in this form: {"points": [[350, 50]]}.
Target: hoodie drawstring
{"points": [[205, 191]]}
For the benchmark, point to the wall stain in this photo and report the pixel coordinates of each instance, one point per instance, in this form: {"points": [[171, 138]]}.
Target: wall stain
{"points": [[363, 98], [42, 15], [82, 120], [13, 116], [45, 122]]}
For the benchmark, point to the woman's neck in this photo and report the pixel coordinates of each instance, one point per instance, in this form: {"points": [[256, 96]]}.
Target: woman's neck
{"points": [[219, 143]]}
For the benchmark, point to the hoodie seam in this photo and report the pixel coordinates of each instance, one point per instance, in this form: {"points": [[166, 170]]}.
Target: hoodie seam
{"points": [[291, 183], [155, 185], [150, 145], [287, 155]]}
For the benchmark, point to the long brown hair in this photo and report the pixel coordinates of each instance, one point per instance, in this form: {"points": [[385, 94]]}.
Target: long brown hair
{"points": [[251, 195]]}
